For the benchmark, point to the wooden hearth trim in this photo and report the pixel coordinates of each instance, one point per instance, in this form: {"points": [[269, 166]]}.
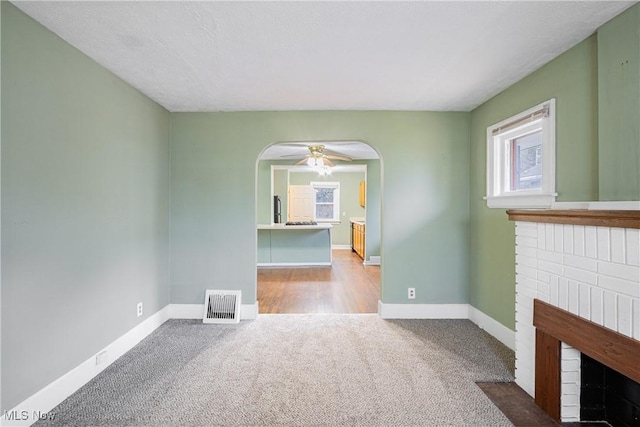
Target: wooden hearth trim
{"points": [[619, 219], [608, 347], [547, 380]]}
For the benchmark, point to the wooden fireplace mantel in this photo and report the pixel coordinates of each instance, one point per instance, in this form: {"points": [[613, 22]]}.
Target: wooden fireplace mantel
{"points": [[619, 219], [554, 325]]}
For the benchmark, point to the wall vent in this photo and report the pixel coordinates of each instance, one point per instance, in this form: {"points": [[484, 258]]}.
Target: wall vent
{"points": [[222, 306]]}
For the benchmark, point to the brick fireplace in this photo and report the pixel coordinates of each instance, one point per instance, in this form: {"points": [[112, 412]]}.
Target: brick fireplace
{"points": [[587, 265]]}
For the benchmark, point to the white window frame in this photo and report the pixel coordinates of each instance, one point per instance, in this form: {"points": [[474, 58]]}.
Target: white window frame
{"points": [[499, 193], [336, 200]]}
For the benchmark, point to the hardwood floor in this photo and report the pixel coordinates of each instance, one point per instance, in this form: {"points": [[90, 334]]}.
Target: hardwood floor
{"points": [[347, 286]]}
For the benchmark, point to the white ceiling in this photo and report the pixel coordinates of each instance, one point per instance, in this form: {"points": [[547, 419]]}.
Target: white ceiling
{"points": [[267, 55]]}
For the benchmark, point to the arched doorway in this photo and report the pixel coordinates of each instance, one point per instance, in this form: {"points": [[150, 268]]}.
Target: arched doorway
{"points": [[330, 263]]}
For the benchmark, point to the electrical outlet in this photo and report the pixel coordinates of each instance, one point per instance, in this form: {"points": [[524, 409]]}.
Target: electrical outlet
{"points": [[412, 293], [139, 309]]}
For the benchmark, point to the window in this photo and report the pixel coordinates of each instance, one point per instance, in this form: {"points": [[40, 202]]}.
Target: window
{"points": [[327, 201], [521, 159]]}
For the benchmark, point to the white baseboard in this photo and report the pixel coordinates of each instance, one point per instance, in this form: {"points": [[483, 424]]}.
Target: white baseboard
{"points": [[38, 405], [450, 311], [341, 247], [423, 311], [494, 328], [374, 260], [196, 311], [27, 412]]}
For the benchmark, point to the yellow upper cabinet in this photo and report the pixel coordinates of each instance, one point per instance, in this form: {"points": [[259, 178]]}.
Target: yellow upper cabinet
{"points": [[363, 193]]}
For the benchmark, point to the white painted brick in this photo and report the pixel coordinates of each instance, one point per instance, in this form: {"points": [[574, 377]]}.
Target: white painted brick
{"points": [[621, 286], [523, 270], [553, 291], [544, 277], [581, 275], [567, 237], [569, 398], [636, 319], [524, 318], [610, 311], [543, 291], [524, 282], [563, 293], [572, 376], [529, 242], [584, 301], [581, 262], [530, 292], [578, 240], [570, 413], [542, 236], [596, 306], [526, 224], [558, 240], [569, 353], [570, 389], [625, 315], [604, 243], [523, 302], [570, 365], [591, 242], [573, 297], [548, 237], [526, 261], [564, 345], [526, 251], [550, 256], [621, 271], [632, 239], [550, 267], [618, 245], [526, 229]]}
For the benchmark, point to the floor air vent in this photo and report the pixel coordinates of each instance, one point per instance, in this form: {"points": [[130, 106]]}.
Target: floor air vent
{"points": [[222, 306]]}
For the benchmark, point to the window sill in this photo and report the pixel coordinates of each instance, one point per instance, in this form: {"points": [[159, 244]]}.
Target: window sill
{"points": [[531, 201]]}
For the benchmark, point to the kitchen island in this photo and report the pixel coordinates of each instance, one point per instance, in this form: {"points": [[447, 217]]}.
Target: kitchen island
{"points": [[281, 245]]}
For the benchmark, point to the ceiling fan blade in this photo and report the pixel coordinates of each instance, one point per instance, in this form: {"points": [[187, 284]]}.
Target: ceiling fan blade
{"points": [[328, 162], [302, 162], [294, 144], [338, 157], [293, 156]]}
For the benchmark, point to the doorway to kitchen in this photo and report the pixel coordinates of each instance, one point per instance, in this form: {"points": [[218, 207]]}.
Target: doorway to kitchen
{"points": [[320, 255]]}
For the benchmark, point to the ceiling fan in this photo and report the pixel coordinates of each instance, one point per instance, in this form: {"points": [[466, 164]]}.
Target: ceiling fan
{"points": [[319, 156]]}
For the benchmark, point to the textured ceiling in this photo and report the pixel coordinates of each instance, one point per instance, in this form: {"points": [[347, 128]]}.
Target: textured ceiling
{"points": [[251, 56]]}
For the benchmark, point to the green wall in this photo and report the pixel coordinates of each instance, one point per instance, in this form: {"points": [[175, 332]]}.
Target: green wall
{"points": [[572, 80], [424, 197], [597, 88], [619, 106], [85, 207]]}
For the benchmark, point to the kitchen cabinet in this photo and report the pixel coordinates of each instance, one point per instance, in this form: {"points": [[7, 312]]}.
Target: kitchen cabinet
{"points": [[358, 238], [363, 193]]}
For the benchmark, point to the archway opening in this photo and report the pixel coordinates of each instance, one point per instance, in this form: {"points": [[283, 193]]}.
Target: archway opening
{"points": [[319, 247]]}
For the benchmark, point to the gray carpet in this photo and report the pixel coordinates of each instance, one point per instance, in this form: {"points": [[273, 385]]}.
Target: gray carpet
{"points": [[299, 370]]}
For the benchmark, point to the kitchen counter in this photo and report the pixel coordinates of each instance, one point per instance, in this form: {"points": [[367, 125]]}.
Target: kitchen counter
{"points": [[293, 227], [294, 245], [357, 220]]}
